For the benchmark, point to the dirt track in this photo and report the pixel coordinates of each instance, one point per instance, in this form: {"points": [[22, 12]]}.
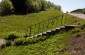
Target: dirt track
{"points": [[82, 16]]}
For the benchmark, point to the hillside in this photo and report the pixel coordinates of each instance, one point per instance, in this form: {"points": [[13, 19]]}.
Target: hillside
{"points": [[60, 44], [80, 11], [20, 23], [22, 20], [53, 45]]}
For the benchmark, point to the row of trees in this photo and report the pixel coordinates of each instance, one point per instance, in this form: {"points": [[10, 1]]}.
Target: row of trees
{"points": [[79, 11], [11, 6], [38, 5]]}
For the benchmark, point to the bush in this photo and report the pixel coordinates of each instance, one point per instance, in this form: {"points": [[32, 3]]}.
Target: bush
{"points": [[25, 41], [11, 36], [78, 35], [2, 46], [76, 30], [5, 8], [8, 43], [20, 41], [83, 26], [26, 35]]}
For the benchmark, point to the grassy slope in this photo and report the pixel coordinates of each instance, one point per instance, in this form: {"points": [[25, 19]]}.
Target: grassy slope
{"points": [[53, 45], [19, 23], [74, 20]]}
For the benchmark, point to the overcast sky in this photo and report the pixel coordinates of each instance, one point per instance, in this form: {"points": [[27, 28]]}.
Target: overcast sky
{"points": [[69, 5]]}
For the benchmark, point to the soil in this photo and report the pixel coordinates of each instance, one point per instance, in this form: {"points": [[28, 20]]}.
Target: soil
{"points": [[76, 45]]}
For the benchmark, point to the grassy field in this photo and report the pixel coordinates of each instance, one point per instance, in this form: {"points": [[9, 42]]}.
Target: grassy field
{"points": [[55, 45], [20, 23], [71, 20]]}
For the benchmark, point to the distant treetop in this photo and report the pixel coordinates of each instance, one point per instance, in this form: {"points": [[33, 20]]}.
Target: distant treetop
{"points": [[79, 11], [25, 6]]}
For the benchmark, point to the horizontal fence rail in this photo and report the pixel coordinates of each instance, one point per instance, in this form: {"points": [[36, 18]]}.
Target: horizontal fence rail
{"points": [[46, 25]]}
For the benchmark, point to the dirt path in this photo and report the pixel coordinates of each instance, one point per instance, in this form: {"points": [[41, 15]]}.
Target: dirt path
{"points": [[76, 46], [82, 16]]}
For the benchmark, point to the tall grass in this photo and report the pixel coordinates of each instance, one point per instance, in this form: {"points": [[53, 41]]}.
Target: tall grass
{"points": [[20, 23]]}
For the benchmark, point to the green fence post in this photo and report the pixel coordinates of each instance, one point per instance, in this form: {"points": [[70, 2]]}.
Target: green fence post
{"points": [[65, 19], [62, 20], [43, 27], [39, 28], [30, 31]]}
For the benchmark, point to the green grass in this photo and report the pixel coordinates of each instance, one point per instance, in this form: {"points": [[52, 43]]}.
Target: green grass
{"points": [[20, 23], [53, 45], [56, 44], [71, 20]]}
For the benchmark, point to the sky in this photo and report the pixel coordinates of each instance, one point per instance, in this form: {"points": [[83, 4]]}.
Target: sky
{"points": [[69, 5]]}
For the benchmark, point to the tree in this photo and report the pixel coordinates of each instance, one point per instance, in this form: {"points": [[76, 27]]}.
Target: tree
{"points": [[26, 6], [5, 8], [59, 7]]}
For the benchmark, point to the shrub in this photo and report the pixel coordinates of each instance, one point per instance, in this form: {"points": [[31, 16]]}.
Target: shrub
{"points": [[25, 41], [76, 30], [5, 8], [26, 35], [2, 46], [33, 40], [83, 26], [77, 35], [20, 41], [8, 43], [11, 36]]}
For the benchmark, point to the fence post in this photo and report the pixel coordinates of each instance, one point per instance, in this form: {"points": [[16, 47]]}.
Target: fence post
{"points": [[65, 19], [34, 28], [48, 24], [43, 27], [39, 28], [56, 21], [30, 30], [62, 20]]}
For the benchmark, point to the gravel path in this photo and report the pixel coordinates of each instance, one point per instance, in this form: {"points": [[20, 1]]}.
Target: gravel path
{"points": [[82, 16]]}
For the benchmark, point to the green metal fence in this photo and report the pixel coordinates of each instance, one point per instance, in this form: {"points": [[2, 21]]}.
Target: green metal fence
{"points": [[46, 25]]}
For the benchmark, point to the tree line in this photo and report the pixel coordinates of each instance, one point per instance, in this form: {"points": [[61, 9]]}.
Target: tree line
{"points": [[79, 11], [8, 7]]}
